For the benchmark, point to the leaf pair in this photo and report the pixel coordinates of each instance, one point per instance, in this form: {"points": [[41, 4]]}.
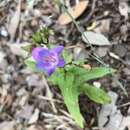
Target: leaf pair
{"points": [[72, 83]]}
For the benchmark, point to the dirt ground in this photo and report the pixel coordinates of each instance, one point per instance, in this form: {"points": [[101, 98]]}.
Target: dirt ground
{"points": [[24, 102]]}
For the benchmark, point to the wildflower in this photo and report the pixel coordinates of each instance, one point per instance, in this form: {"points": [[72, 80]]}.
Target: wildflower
{"points": [[48, 60]]}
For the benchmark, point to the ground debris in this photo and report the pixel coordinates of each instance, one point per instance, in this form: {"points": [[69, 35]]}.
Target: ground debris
{"points": [[13, 25], [75, 11], [31, 102], [7, 125], [110, 118]]}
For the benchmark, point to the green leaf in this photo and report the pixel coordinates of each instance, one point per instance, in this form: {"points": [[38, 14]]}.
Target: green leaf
{"points": [[70, 94], [97, 72], [67, 57], [78, 62], [30, 63], [65, 81], [95, 38], [42, 35], [96, 94], [57, 78], [84, 75], [45, 33], [37, 38]]}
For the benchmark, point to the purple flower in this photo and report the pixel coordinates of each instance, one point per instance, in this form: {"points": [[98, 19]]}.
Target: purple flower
{"points": [[48, 60]]}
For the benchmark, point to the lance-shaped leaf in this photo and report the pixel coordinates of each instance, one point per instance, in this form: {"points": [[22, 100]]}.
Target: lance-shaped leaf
{"points": [[70, 94], [96, 94], [97, 72], [83, 75]]}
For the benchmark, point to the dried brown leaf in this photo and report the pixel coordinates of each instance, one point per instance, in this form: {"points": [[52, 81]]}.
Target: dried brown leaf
{"points": [[6, 101], [104, 26], [13, 25], [34, 117], [7, 125], [75, 12], [5, 98], [16, 49], [25, 113]]}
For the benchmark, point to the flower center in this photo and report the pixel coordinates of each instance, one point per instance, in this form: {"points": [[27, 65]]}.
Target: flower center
{"points": [[49, 59]]}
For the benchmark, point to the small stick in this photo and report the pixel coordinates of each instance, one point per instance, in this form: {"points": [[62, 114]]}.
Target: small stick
{"points": [[73, 46], [50, 95], [48, 99], [124, 105]]}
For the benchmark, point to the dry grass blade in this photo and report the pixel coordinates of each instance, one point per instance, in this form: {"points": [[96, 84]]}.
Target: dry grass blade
{"points": [[75, 12], [13, 25], [58, 122], [48, 99], [49, 95]]}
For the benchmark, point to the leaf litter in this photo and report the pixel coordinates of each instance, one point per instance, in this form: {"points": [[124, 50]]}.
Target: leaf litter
{"points": [[14, 22], [14, 76], [75, 11]]}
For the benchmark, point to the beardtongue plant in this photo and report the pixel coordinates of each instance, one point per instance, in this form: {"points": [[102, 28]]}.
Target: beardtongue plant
{"points": [[69, 75]]}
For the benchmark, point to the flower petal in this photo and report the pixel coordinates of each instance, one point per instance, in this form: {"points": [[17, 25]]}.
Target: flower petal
{"points": [[57, 49], [50, 71], [61, 63], [47, 68], [41, 66], [43, 52], [38, 52]]}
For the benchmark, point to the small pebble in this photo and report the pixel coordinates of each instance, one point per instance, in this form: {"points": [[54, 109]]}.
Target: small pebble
{"points": [[97, 84], [106, 13], [3, 32]]}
